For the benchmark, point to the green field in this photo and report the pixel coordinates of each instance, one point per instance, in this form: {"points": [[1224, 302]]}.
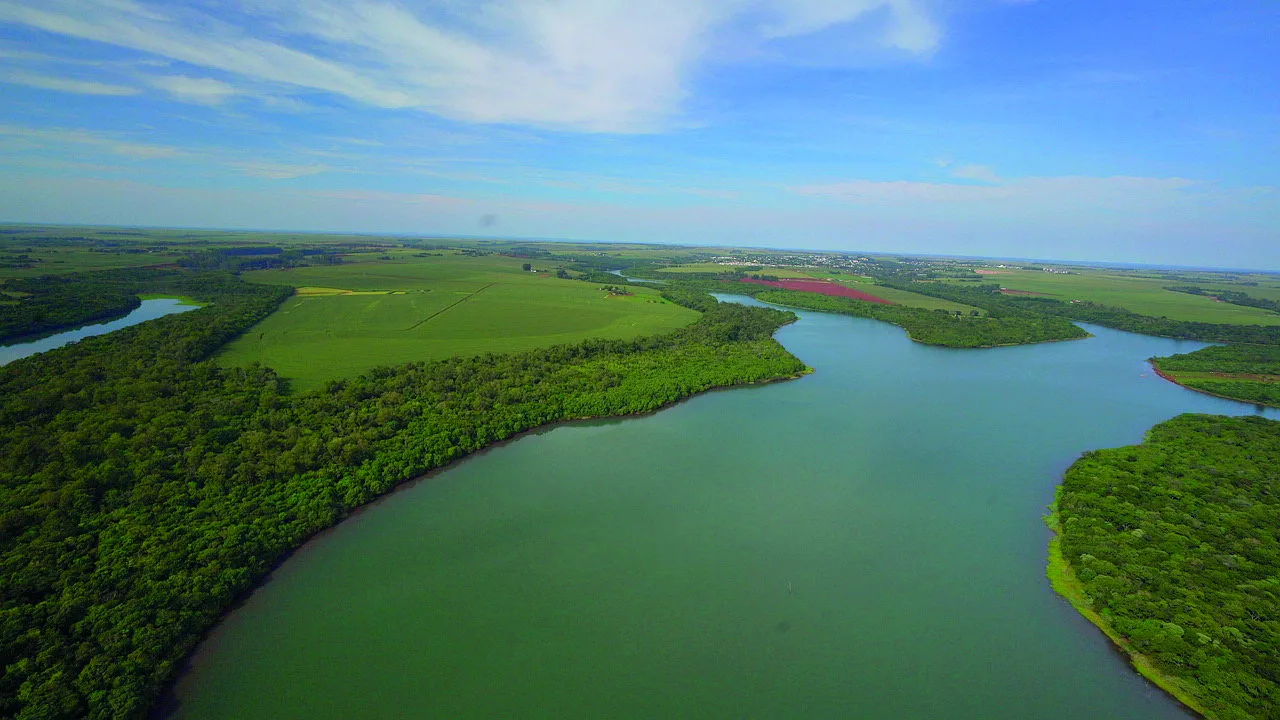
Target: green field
{"points": [[61, 261], [1143, 295], [431, 308]]}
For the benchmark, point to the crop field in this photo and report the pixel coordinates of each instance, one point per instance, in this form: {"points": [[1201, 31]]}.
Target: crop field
{"points": [[905, 297], [1265, 291], [348, 318], [1145, 295]]}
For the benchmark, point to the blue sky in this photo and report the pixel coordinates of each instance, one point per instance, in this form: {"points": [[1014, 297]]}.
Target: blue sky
{"points": [[1072, 129]]}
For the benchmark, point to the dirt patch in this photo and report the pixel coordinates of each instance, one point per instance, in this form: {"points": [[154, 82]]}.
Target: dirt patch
{"points": [[821, 287], [991, 272]]}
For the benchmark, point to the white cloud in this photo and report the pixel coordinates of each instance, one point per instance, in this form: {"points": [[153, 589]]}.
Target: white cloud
{"points": [[80, 87], [203, 91], [593, 65]]}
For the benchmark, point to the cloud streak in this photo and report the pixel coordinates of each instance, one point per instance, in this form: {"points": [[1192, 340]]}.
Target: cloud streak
{"points": [[583, 65], [80, 87]]}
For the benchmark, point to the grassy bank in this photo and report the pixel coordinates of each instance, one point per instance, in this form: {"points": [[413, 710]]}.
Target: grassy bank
{"points": [[1065, 582]]}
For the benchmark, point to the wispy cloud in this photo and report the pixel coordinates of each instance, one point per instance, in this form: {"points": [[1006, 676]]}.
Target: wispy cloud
{"points": [[59, 84], [46, 138], [204, 91], [588, 65], [280, 171]]}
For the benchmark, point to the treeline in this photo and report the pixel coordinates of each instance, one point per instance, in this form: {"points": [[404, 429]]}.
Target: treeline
{"points": [[46, 304], [143, 488], [1242, 372], [989, 298], [938, 327], [1174, 545], [1235, 297]]}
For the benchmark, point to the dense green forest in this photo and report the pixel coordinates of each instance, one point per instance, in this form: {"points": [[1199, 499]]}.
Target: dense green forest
{"points": [[143, 488], [35, 306], [1173, 544], [1243, 372], [932, 327]]}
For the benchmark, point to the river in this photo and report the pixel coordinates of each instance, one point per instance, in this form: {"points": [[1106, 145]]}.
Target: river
{"points": [[865, 542], [148, 310]]}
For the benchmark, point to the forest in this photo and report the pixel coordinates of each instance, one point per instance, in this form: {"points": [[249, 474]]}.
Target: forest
{"points": [[144, 488], [1173, 544], [41, 305]]}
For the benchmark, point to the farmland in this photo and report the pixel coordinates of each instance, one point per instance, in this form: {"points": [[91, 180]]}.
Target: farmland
{"points": [[431, 308], [1141, 294]]}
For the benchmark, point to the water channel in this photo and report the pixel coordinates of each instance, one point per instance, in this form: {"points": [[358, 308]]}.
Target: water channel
{"points": [[148, 310], [865, 542]]}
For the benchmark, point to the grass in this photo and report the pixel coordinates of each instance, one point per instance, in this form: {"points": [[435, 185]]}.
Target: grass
{"points": [[1144, 295], [350, 318], [1064, 582]]}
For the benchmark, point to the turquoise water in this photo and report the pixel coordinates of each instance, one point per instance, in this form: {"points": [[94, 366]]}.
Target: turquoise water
{"points": [[865, 542], [148, 310]]}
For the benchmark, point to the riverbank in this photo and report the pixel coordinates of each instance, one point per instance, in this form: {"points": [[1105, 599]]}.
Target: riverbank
{"points": [[1156, 367], [1063, 579]]}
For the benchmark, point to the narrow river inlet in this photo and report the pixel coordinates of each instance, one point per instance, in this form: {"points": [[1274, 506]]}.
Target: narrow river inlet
{"points": [[148, 310], [865, 542]]}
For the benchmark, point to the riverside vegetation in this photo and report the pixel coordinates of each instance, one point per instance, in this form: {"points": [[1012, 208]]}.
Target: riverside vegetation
{"points": [[1170, 547], [1242, 372], [146, 487]]}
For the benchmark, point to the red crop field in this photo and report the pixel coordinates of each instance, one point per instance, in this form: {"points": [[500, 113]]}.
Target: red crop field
{"points": [[822, 287]]}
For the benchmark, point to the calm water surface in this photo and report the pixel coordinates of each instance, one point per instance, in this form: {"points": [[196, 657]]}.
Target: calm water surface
{"points": [[865, 542], [148, 310]]}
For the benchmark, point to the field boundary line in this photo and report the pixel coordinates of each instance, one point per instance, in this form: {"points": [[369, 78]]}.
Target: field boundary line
{"points": [[448, 307]]}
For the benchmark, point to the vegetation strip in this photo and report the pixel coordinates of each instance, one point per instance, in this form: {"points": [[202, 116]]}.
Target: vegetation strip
{"points": [[1170, 547]]}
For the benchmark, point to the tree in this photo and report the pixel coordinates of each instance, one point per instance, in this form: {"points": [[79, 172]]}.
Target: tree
{"points": [[526, 267]]}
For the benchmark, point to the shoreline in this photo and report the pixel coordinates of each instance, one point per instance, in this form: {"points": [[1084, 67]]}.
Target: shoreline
{"points": [[1063, 580], [166, 704], [929, 344], [1166, 376]]}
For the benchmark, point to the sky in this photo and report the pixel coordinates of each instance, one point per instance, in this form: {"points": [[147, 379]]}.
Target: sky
{"points": [[1134, 131]]}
